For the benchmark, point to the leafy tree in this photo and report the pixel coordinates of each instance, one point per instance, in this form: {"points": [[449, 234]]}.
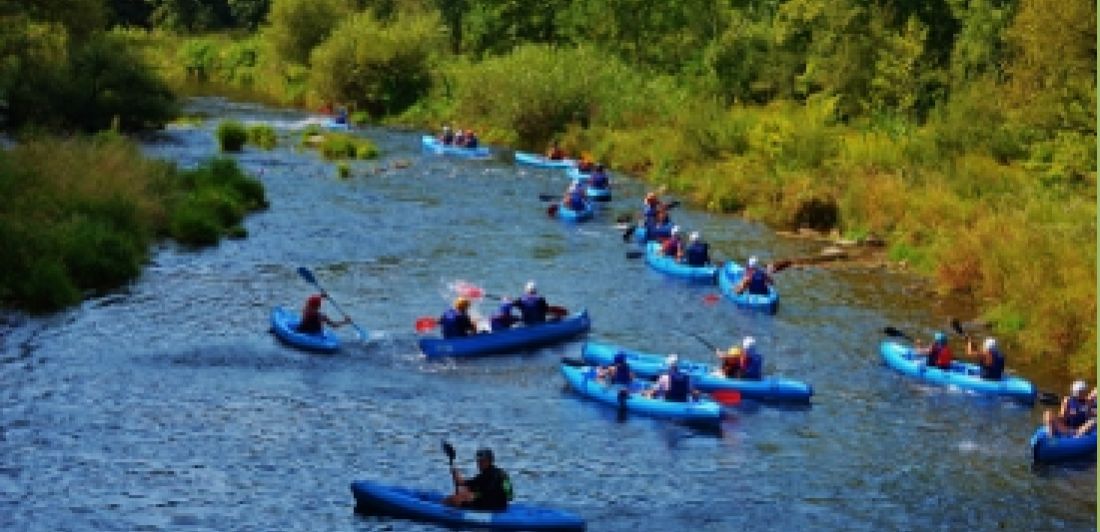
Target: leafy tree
{"points": [[297, 26]]}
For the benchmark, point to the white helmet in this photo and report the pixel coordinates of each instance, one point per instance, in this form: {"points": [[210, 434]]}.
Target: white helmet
{"points": [[675, 229], [989, 344], [1078, 387], [753, 261], [748, 342], [694, 236], [530, 288], [672, 359]]}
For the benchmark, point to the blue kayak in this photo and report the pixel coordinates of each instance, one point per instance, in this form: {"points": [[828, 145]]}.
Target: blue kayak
{"points": [[423, 505], [542, 162], [284, 325], [514, 339], [434, 145], [729, 277], [598, 194], [670, 266], [570, 215], [1047, 449], [641, 235], [583, 380], [703, 377], [962, 375]]}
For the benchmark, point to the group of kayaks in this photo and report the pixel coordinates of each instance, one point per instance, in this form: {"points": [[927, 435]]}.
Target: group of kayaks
{"points": [[583, 376]]}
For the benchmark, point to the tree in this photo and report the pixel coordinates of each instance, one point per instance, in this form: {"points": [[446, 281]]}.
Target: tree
{"points": [[297, 26]]}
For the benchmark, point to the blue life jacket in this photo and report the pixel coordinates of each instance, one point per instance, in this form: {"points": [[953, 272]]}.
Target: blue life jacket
{"points": [[455, 324], [654, 231], [1078, 412], [754, 365], [471, 142], [622, 373], [995, 368], [449, 137], [533, 308], [758, 281], [503, 318], [576, 200], [679, 385], [649, 215], [697, 254], [599, 180]]}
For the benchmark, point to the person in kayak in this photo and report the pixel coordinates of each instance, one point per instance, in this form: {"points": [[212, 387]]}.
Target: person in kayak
{"points": [[574, 197], [456, 322], [503, 318], [938, 354], [697, 252], [1077, 415], [660, 226], [448, 136], [585, 165], [532, 306], [313, 320], [554, 152], [617, 373], [990, 359], [674, 385], [755, 279], [599, 179], [672, 246], [744, 362], [470, 139], [489, 490]]}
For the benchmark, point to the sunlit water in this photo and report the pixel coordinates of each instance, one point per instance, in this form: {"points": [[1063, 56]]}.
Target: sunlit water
{"points": [[168, 406]]}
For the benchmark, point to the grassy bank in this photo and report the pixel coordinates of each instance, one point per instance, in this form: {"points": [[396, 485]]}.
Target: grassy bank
{"points": [[80, 215], [980, 195]]}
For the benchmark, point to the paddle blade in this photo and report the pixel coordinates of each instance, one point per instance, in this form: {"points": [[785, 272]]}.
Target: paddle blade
{"points": [[711, 299], [552, 210], [469, 290], [957, 326], [573, 362], [890, 331], [629, 232], [306, 274], [727, 397], [781, 265], [548, 197], [449, 451], [672, 204], [560, 312], [426, 324], [634, 254]]}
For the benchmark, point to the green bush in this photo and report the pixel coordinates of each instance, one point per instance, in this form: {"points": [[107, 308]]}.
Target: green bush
{"points": [[193, 224], [231, 135], [343, 170], [297, 26], [262, 135], [343, 146]]}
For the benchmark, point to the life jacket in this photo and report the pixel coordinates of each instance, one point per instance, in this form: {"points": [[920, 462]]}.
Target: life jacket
{"points": [[649, 215], [310, 322], [655, 231], [555, 154], [599, 180], [576, 200], [940, 356], [471, 141], [622, 373], [996, 366], [679, 385], [533, 309], [454, 324], [1078, 412], [754, 365], [671, 247], [449, 137], [697, 254], [731, 367], [503, 318], [758, 281]]}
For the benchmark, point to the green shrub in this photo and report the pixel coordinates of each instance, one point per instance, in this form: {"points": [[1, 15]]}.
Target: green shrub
{"points": [[231, 135], [193, 224], [344, 146], [343, 170], [262, 135]]}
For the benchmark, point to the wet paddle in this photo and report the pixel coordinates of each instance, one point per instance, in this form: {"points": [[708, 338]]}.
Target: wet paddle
{"points": [[425, 324], [891, 331], [308, 276]]}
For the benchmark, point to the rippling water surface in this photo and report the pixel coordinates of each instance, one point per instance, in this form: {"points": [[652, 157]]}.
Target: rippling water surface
{"points": [[167, 406]]}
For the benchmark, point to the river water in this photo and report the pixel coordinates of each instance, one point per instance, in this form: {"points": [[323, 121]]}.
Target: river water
{"points": [[167, 405]]}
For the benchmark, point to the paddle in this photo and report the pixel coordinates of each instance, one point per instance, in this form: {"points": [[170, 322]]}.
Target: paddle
{"points": [[891, 331], [724, 397], [549, 197], [307, 275]]}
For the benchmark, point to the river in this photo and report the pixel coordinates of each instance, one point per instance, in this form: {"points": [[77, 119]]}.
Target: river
{"points": [[166, 405]]}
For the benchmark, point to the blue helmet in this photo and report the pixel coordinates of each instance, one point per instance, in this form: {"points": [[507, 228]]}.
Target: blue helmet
{"points": [[940, 338], [620, 357]]}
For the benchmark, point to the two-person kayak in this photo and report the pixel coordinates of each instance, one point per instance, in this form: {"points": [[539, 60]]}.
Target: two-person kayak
{"points": [[284, 325], [1048, 449], [583, 380], [532, 159], [962, 375], [703, 376], [509, 340], [674, 268], [427, 506], [434, 145]]}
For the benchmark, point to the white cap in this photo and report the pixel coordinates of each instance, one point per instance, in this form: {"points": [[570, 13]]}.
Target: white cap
{"points": [[530, 288], [752, 261], [748, 342], [1078, 387], [675, 229], [989, 344], [693, 236], [672, 359]]}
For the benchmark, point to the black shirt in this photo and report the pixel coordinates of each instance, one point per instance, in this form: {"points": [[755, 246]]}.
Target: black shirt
{"points": [[493, 490]]}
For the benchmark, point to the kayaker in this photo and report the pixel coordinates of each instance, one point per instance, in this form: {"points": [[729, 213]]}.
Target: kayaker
{"points": [[674, 385], [471, 139], [651, 206], [448, 136], [313, 320], [586, 164], [341, 115], [660, 226], [503, 318], [619, 372], [554, 152], [1077, 416], [697, 252], [532, 306], [490, 490], [460, 137], [672, 246], [599, 179], [990, 359], [574, 197], [755, 279], [938, 354], [456, 322]]}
